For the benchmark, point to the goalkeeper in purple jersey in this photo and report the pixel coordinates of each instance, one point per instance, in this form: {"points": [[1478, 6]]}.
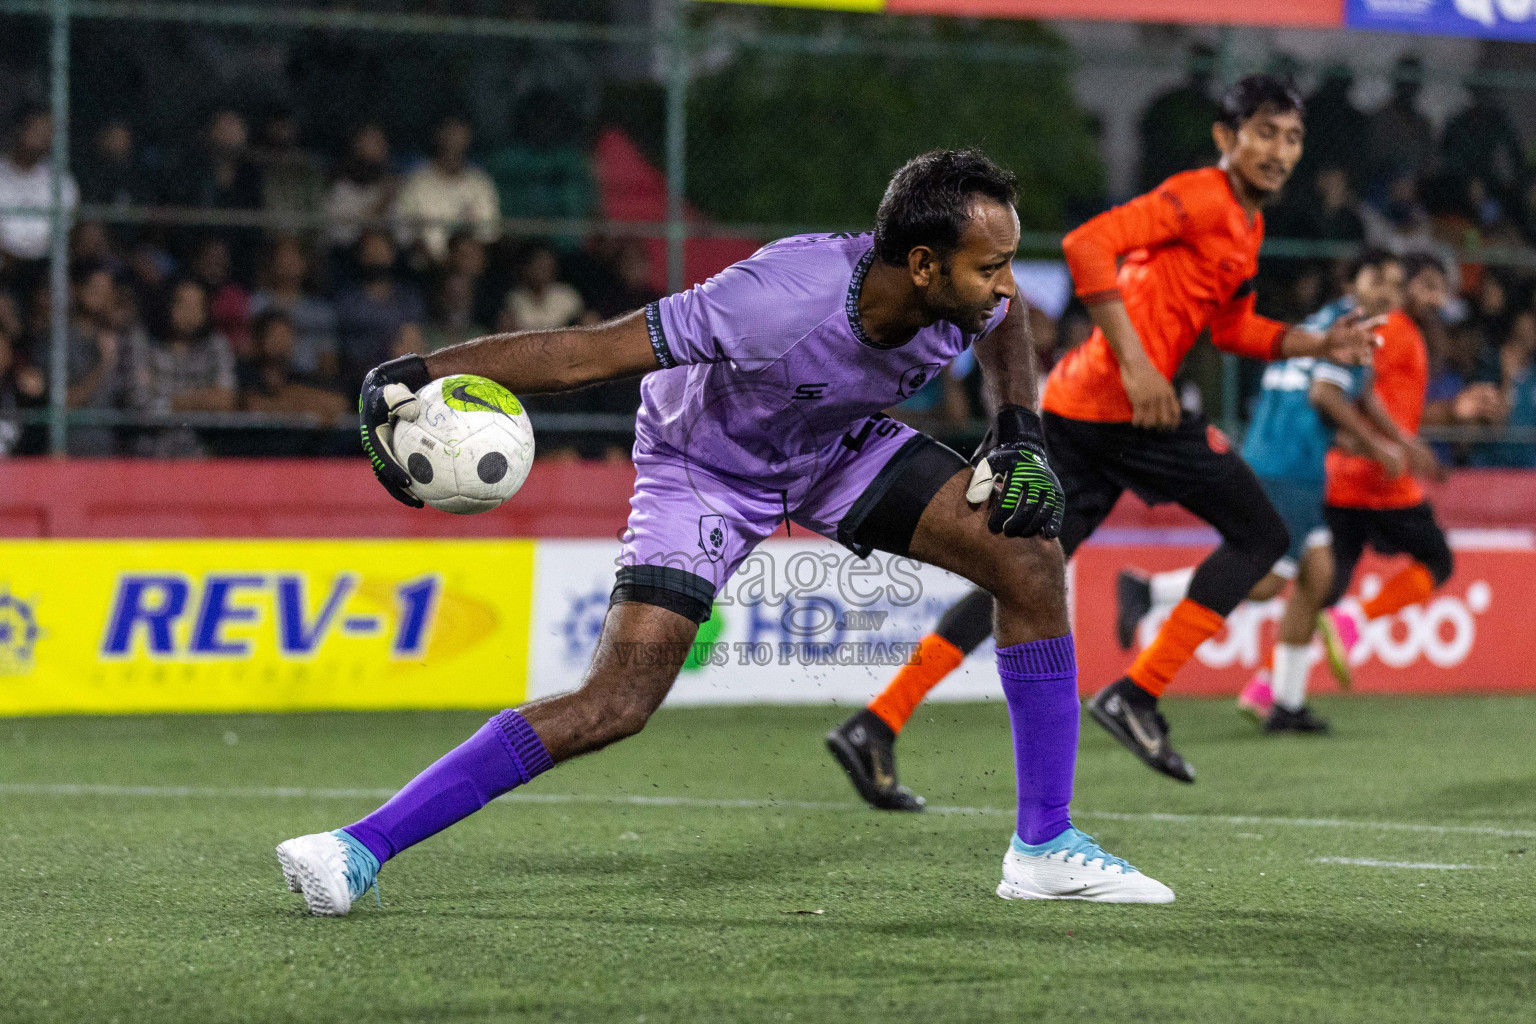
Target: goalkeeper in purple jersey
{"points": [[762, 403]]}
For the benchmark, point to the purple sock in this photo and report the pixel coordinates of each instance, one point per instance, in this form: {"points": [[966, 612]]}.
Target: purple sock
{"points": [[1040, 682], [502, 755]]}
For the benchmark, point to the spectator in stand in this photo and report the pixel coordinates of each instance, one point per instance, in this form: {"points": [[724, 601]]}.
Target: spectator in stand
{"points": [[1481, 143], [1518, 396], [89, 240], [628, 285], [269, 382], [1400, 139], [291, 179], [1326, 211], [544, 172], [219, 175], [469, 259], [1402, 224], [25, 182], [1457, 395], [95, 379], [1176, 128], [229, 304], [363, 191], [1523, 209], [183, 366], [540, 301], [312, 320], [111, 171], [445, 193], [453, 314], [377, 316], [21, 384], [1335, 128], [149, 269], [1489, 315]]}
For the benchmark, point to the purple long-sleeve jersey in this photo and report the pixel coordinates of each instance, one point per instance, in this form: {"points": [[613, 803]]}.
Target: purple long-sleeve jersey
{"points": [[766, 363]]}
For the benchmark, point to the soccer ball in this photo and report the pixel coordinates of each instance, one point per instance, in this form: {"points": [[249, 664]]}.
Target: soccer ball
{"points": [[466, 443]]}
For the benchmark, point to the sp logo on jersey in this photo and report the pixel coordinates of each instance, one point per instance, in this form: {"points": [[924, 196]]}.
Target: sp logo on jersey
{"points": [[712, 537], [913, 380]]}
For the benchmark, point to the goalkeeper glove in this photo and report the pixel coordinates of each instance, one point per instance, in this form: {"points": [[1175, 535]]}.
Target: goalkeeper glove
{"points": [[389, 393], [1011, 462]]}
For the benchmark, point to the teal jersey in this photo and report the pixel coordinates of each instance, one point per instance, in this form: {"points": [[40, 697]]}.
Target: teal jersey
{"points": [[1288, 439]]}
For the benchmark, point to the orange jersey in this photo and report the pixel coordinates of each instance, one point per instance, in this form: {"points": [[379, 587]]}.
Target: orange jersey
{"points": [[1401, 374], [1190, 254]]}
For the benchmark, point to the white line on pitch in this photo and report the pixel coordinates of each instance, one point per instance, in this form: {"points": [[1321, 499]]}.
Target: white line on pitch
{"points": [[1366, 862], [354, 793]]}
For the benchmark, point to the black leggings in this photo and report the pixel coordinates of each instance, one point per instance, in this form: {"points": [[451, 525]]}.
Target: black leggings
{"points": [[1396, 531]]}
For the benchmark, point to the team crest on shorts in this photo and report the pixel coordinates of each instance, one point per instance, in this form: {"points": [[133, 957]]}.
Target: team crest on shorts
{"points": [[916, 377], [1216, 440], [712, 536]]}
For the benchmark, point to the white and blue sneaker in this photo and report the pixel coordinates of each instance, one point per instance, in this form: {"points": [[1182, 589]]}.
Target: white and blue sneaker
{"points": [[1073, 867], [331, 869]]}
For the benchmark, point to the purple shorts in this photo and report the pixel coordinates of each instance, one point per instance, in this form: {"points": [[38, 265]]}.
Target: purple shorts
{"points": [[690, 526]]}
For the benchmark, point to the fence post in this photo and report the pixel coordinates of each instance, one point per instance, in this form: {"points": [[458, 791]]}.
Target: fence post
{"points": [[677, 126], [58, 223]]}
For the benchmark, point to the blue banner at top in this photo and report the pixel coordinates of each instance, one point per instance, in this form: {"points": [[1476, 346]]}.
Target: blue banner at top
{"points": [[1484, 19]]}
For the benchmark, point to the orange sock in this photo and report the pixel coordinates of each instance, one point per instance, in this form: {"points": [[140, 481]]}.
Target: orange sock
{"points": [[1188, 627], [1410, 586], [935, 659]]}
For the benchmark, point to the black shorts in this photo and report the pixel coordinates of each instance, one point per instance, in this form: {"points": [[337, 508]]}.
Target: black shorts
{"points": [[885, 516], [1192, 465], [1389, 531]]}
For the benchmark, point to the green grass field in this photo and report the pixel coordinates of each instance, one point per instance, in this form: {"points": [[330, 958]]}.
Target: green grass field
{"points": [[716, 868]]}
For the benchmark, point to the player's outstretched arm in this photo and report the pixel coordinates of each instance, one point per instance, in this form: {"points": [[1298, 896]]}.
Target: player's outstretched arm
{"points": [[1421, 461], [1349, 341], [528, 362], [1356, 432], [531, 362]]}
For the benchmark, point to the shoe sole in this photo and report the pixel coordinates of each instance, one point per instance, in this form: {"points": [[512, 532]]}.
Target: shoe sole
{"points": [[317, 895], [1126, 740], [848, 758], [1335, 654], [290, 873], [1009, 891]]}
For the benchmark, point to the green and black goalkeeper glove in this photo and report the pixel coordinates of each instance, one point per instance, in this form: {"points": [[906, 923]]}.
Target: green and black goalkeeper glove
{"points": [[389, 391], [1011, 468]]}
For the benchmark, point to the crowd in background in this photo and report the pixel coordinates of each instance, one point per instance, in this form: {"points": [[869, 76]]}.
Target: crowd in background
{"points": [[176, 320], [1383, 178], [395, 252]]}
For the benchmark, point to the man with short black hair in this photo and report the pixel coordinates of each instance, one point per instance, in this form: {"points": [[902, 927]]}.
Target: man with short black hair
{"points": [[762, 403], [1366, 504]]}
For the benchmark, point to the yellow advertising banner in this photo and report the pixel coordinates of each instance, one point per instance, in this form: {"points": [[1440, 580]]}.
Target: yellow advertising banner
{"points": [[261, 625]]}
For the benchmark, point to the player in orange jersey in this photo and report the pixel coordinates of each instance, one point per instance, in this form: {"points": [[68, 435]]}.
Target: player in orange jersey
{"points": [[1154, 274], [1365, 505]]}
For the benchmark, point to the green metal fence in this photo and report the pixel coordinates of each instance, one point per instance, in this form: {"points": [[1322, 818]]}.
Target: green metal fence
{"points": [[675, 43]]}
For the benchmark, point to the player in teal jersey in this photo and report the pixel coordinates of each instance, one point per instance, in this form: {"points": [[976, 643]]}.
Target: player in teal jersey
{"points": [[1306, 405]]}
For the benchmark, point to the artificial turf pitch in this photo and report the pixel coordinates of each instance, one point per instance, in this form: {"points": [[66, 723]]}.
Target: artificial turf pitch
{"points": [[765, 893]]}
